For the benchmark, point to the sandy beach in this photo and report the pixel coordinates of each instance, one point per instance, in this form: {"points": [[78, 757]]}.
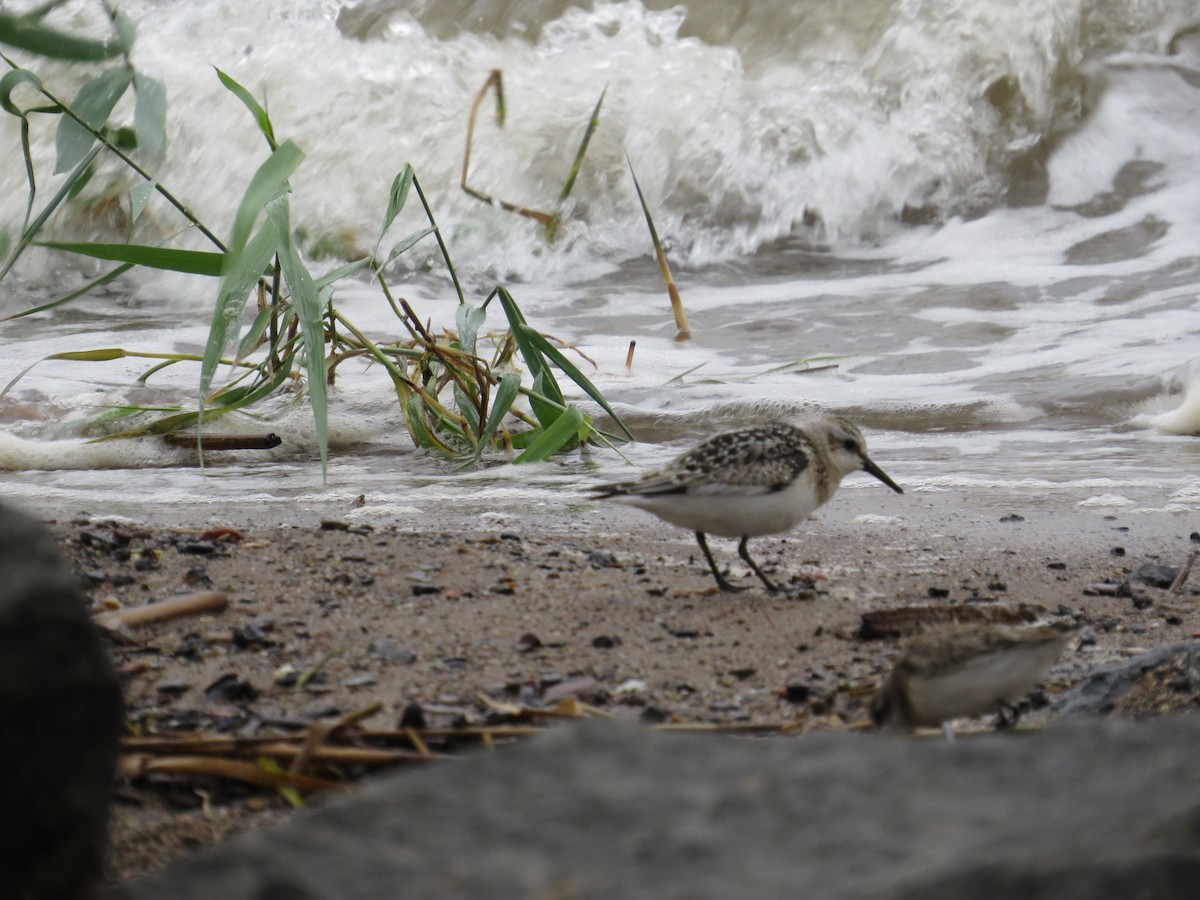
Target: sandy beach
{"points": [[601, 606]]}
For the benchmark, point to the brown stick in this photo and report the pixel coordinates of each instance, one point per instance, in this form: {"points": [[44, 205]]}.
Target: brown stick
{"points": [[629, 356], [224, 441], [174, 608], [1177, 584]]}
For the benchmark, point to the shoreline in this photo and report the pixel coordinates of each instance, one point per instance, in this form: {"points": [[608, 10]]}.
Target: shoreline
{"points": [[620, 613]]}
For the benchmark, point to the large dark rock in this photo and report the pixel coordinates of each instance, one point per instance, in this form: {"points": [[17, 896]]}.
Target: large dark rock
{"points": [[60, 719], [603, 810], [1104, 688]]}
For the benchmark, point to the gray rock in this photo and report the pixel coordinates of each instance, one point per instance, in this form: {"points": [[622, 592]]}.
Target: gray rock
{"points": [[1100, 691], [60, 718], [1086, 809]]}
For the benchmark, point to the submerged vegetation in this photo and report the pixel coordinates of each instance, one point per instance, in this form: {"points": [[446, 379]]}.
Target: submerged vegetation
{"points": [[457, 397]]}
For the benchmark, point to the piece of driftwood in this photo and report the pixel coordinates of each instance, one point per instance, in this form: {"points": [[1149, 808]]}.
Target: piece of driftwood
{"points": [[174, 608], [223, 441]]}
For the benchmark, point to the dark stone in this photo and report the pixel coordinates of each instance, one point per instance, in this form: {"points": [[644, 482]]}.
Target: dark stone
{"points": [[605, 809], [1156, 575], [60, 717], [1101, 690]]}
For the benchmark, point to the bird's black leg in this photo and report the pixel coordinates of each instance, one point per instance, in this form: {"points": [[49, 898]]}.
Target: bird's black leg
{"points": [[722, 582], [745, 554]]}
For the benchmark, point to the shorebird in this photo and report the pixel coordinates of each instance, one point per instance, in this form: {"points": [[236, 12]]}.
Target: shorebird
{"points": [[764, 479], [966, 671]]}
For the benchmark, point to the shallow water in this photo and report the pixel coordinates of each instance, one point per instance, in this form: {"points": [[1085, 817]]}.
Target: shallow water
{"points": [[985, 218]]}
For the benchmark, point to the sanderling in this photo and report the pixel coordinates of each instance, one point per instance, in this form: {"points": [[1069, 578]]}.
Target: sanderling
{"points": [[764, 479], [966, 671]]}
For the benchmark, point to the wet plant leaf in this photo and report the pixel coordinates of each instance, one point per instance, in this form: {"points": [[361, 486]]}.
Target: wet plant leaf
{"points": [[267, 183], [150, 116], [260, 114], [569, 427], [502, 400], [191, 262], [25, 33], [310, 306], [93, 104], [538, 340]]}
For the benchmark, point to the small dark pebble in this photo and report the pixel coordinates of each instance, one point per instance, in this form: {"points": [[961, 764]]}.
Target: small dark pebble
{"points": [[334, 525], [104, 539], [122, 580], [146, 563], [1194, 537], [683, 632], [1174, 620], [354, 557], [998, 586], [796, 693], [1117, 551], [425, 588], [1142, 600], [172, 688], [528, 641], [652, 715], [603, 559], [938, 593], [191, 646], [505, 588], [1056, 566], [454, 662], [361, 530], [197, 548], [743, 673], [604, 642], [230, 688], [413, 716], [197, 576], [250, 636], [1012, 517], [510, 536]]}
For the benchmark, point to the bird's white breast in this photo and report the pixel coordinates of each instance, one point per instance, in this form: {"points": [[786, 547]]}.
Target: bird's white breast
{"points": [[731, 511]]}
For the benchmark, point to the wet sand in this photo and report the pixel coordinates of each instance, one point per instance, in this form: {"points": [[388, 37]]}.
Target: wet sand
{"points": [[604, 604]]}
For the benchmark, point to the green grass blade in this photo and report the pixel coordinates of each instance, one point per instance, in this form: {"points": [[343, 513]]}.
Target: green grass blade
{"points": [[139, 196], [341, 272], [407, 243], [26, 34], [397, 197], [191, 262], [310, 306], [243, 269], [572, 371], [468, 320], [93, 104], [150, 116], [260, 114], [571, 426], [268, 182], [502, 400]]}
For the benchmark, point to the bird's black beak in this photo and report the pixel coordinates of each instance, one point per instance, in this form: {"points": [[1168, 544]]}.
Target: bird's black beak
{"points": [[869, 466]]}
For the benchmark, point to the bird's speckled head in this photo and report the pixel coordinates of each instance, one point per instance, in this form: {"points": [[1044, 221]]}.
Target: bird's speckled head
{"points": [[848, 449]]}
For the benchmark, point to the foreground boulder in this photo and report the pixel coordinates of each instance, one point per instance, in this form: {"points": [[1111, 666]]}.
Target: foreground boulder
{"points": [[1086, 809], [60, 718]]}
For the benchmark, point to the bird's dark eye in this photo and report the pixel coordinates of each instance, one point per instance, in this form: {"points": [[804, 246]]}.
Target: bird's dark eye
{"points": [[850, 444]]}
